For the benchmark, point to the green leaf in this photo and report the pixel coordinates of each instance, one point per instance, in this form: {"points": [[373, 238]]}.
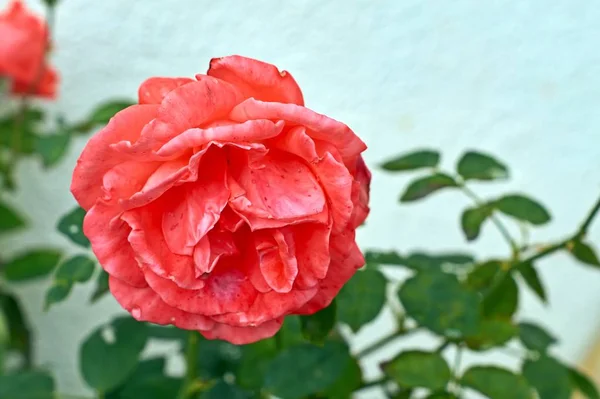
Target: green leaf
{"points": [[550, 378], [483, 276], [496, 383], [101, 286], [420, 261], [217, 358], [148, 382], [535, 337], [52, 147], [348, 382], [412, 161], [27, 385], [418, 369], [71, 225], [491, 333], [384, 258], [9, 219], [442, 395], [26, 129], [59, 291], [584, 253], [79, 268], [440, 303], [168, 333], [583, 384], [222, 390], [472, 219], [532, 279], [291, 331], [18, 327], [522, 208], [104, 112], [425, 186], [32, 264], [362, 298], [305, 369], [478, 166], [317, 326], [254, 363], [110, 354], [502, 300]]}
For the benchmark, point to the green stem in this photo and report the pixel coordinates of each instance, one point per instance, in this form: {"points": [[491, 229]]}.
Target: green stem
{"points": [[382, 342], [443, 346], [588, 220], [497, 222], [191, 360], [374, 383]]}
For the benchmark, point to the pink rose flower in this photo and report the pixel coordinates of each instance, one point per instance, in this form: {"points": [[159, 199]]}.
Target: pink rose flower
{"points": [[222, 204], [23, 45]]}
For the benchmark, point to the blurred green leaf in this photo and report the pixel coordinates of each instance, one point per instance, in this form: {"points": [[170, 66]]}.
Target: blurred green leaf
{"points": [[478, 166], [491, 333], [217, 358], [420, 261], [254, 362], [412, 161], [31, 264], [223, 390], [101, 286], [18, 327], [348, 382], [110, 355], [291, 332], [441, 395], [362, 298], [105, 111], [27, 385], [425, 186], [384, 258], [440, 303], [317, 326], [535, 337], [418, 369], [502, 300], [482, 277], [148, 382], [59, 291], [9, 219], [79, 268], [531, 278], [71, 225], [550, 378], [496, 383], [583, 384], [305, 369], [52, 147], [472, 219], [584, 253], [168, 333], [25, 127], [522, 208]]}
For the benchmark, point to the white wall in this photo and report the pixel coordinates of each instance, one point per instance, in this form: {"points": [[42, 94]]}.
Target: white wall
{"points": [[518, 79]]}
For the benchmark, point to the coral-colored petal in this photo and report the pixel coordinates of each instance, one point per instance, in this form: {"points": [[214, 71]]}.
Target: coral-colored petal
{"points": [[225, 290], [312, 253], [248, 131], [332, 174], [211, 248], [243, 335], [257, 79], [277, 259], [194, 208], [185, 107], [281, 187], [319, 126], [126, 179], [108, 236], [360, 193], [151, 250], [346, 258], [229, 220], [98, 157], [145, 305], [154, 90]]}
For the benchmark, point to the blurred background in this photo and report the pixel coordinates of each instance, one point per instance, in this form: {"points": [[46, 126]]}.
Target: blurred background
{"points": [[519, 80]]}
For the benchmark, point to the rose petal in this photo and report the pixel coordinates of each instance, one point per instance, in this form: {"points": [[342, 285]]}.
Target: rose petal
{"points": [[211, 248], [312, 253], [194, 208], [277, 259], [126, 179], [108, 236], [360, 193], [257, 79], [249, 131], [243, 335], [282, 188], [145, 305], [229, 220], [319, 126], [97, 158], [154, 90], [346, 258]]}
